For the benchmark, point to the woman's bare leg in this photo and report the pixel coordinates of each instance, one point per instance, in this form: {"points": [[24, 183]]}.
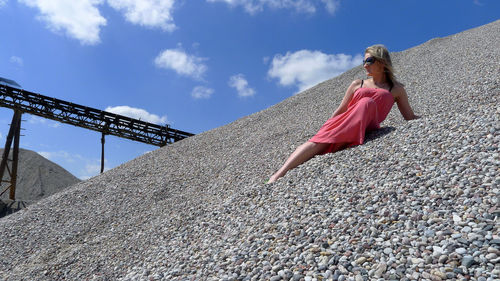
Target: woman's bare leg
{"points": [[303, 153]]}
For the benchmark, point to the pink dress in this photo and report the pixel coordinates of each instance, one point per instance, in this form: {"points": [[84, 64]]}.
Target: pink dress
{"points": [[366, 110]]}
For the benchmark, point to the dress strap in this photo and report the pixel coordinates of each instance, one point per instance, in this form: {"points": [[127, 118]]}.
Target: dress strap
{"points": [[362, 83], [391, 88]]}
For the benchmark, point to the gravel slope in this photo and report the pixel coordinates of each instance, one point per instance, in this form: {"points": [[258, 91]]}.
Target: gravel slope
{"points": [[38, 177], [419, 200]]}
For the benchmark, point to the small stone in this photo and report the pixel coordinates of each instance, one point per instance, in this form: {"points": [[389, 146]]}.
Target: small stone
{"points": [[322, 267], [437, 250], [361, 260], [468, 261], [495, 261], [286, 274], [381, 268], [428, 259], [460, 251], [466, 229], [488, 227], [416, 260], [491, 256], [439, 274], [429, 233], [493, 250], [335, 275], [450, 275], [315, 249], [442, 259], [342, 269], [447, 232], [277, 268]]}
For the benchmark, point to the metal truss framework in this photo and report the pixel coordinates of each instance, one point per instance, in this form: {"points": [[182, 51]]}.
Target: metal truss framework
{"points": [[107, 123]]}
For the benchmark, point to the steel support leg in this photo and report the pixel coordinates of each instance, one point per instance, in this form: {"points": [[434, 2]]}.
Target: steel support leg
{"points": [[14, 133], [102, 152]]}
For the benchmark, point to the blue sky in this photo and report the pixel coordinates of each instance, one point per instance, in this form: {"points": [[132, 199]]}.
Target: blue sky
{"points": [[196, 64]]}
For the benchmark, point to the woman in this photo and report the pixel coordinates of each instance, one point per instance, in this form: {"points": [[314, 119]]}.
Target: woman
{"points": [[365, 105]]}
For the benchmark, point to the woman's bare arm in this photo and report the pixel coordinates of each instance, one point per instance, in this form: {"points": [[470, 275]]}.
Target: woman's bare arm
{"points": [[403, 104], [347, 97]]}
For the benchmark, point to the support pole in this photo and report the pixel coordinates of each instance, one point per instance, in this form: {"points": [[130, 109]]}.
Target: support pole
{"points": [[15, 157], [14, 133], [103, 140]]}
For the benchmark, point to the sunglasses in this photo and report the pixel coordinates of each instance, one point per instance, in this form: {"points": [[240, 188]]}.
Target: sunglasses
{"points": [[369, 60]]}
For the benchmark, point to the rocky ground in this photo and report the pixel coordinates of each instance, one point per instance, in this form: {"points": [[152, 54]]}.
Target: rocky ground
{"points": [[8, 206], [37, 177], [417, 201]]}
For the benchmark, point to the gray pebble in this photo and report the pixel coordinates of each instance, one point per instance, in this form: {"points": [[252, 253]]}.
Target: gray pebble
{"points": [[468, 261]]}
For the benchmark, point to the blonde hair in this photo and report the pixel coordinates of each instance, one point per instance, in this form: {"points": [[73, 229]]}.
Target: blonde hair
{"points": [[381, 53]]}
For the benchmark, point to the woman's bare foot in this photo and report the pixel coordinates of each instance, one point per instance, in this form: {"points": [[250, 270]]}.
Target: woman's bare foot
{"points": [[303, 153], [274, 178]]}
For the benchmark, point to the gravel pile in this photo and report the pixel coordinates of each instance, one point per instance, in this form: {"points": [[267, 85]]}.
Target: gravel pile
{"points": [[417, 201], [37, 177]]}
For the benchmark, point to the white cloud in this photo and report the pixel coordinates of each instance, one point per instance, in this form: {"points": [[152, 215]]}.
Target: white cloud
{"points": [[182, 63], [92, 169], [301, 6], [137, 113], [45, 154], [150, 13], [87, 167], [331, 5], [17, 60], [60, 155], [201, 92], [241, 85], [82, 20], [305, 68], [2, 3], [79, 19], [254, 6]]}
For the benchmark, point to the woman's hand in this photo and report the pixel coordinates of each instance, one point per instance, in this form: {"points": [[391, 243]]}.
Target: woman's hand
{"points": [[403, 104]]}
